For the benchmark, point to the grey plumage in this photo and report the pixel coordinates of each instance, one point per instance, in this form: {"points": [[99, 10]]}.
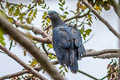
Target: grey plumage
{"points": [[67, 42]]}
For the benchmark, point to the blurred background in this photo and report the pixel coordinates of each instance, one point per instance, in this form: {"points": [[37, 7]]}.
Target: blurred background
{"points": [[102, 39]]}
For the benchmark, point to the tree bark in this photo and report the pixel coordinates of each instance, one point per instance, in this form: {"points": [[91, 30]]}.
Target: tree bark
{"points": [[28, 45]]}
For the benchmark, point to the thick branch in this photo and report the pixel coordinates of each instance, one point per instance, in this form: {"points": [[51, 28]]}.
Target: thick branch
{"points": [[116, 7], [109, 55], [27, 44], [97, 53], [30, 69], [101, 19]]}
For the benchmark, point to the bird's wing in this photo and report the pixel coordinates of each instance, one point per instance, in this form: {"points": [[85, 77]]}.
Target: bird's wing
{"points": [[77, 36], [61, 37], [61, 43], [78, 42]]}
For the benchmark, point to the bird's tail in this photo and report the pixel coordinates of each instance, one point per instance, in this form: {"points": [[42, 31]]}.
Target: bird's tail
{"points": [[72, 60], [81, 51]]}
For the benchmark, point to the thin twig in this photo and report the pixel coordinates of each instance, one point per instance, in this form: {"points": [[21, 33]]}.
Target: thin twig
{"points": [[74, 17], [18, 73], [90, 76], [23, 72], [43, 40], [46, 51], [43, 46], [33, 28]]}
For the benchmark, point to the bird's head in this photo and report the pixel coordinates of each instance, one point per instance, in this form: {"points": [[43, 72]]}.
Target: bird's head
{"points": [[55, 19], [52, 15]]}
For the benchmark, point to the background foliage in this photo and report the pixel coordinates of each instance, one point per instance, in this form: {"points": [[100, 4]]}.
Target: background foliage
{"points": [[26, 14]]}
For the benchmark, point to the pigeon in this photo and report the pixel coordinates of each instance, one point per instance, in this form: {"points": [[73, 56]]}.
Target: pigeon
{"points": [[67, 42]]}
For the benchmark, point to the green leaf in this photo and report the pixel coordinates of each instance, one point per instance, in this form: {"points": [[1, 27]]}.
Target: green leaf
{"points": [[61, 9], [89, 17], [48, 20], [50, 45], [45, 14], [11, 10], [7, 5], [10, 19], [60, 0], [89, 23], [66, 69], [2, 42], [44, 6], [2, 13], [54, 57], [35, 13], [63, 73], [66, 12], [84, 36], [82, 29], [2, 37], [60, 4], [60, 67], [88, 31], [34, 63], [21, 17], [30, 13], [29, 6], [63, 3], [17, 12], [28, 20], [51, 56]]}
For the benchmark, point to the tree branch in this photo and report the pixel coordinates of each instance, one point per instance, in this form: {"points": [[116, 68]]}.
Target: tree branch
{"points": [[39, 31], [106, 53], [97, 53], [116, 7], [77, 16], [18, 73], [87, 75], [101, 19], [109, 55], [33, 28], [30, 69], [43, 40], [74, 17], [39, 68], [27, 44], [23, 72]]}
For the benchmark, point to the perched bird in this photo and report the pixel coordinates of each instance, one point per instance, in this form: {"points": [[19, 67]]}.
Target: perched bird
{"points": [[67, 42]]}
